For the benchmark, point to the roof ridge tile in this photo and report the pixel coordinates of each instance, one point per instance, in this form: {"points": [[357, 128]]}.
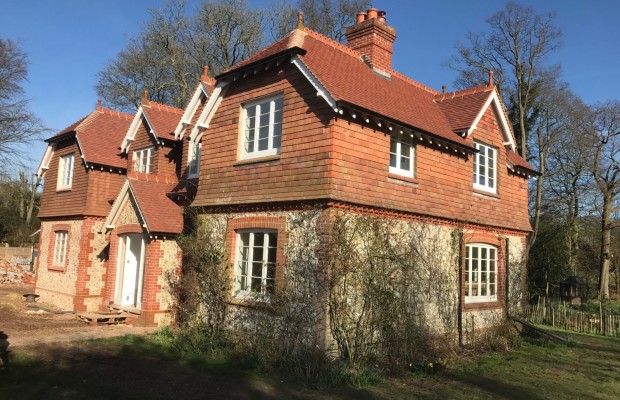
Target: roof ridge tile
{"points": [[164, 107], [114, 113], [464, 92], [414, 82]]}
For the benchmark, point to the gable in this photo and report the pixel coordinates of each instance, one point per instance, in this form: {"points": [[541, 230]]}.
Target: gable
{"points": [[198, 98], [128, 214], [504, 127]]}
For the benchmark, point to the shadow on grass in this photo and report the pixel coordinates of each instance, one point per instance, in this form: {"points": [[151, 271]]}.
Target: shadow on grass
{"points": [[135, 368]]}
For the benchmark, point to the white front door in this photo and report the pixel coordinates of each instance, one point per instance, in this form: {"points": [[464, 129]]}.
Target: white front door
{"points": [[130, 271]]}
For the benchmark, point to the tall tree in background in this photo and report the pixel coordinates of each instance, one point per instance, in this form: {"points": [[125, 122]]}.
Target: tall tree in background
{"points": [[18, 126], [168, 56], [515, 48], [606, 171], [19, 200]]}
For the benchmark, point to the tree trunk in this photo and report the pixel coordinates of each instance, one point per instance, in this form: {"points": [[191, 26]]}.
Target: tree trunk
{"points": [[603, 280], [32, 199]]}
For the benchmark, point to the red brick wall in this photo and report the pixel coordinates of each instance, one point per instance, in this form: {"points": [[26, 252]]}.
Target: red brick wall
{"points": [[326, 157], [83, 277], [443, 184], [301, 171], [66, 201], [90, 190], [103, 186]]}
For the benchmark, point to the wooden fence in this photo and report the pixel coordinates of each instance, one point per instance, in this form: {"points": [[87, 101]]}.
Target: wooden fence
{"points": [[565, 317]]}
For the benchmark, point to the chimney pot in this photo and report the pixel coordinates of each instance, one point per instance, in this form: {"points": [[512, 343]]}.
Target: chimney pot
{"points": [[381, 16], [373, 39], [443, 89], [99, 104], [300, 20], [145, 99], [490, 78]]}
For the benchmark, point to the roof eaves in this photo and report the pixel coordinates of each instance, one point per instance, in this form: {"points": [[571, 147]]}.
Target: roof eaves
{"points": [[207, 113], [133, 128], [286, 52], [462, 145], [314, 80], [58, 138], [190, 110]]}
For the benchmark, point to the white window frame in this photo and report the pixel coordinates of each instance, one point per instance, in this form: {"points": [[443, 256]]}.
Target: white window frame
{"points": [[250, 127], [193, 160], [485, 168], [481, 271], [143, 160], [243, 263], [60, 248], [399, 150], [65, 171]]}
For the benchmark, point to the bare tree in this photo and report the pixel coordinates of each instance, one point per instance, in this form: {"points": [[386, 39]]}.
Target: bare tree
{"points": [[606, 171], [167, 57], [515, 49], [327, 17], [18, 126], [157, 60], [225, 32]]}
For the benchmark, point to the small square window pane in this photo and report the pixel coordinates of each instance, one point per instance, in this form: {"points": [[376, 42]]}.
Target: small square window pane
{"points": [[256, 285], [259, 239]]}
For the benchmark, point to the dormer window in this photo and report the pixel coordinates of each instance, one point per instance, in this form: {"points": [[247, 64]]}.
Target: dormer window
{"points": [[143, 160], [193, 167], [402, 154], [262, 127], [65, 172], [485, 168]]}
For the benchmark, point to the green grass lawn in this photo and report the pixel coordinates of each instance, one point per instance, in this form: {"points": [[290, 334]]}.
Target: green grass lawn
{"points": [[147, 368]]}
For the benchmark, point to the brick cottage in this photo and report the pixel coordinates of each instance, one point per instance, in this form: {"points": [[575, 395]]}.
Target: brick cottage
{"points": [[306, 123]]}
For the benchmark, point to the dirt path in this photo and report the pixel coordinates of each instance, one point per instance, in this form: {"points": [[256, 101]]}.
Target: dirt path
{"points": [[26, 324]]}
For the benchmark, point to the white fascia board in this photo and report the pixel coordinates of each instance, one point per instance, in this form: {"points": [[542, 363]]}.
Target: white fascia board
{"points": [[505, 127], [191, 108], [140, 213], [45, 161], [209, 110], [131, 132], [82, 155], [125, 194], [116, 206], [320, 89]]}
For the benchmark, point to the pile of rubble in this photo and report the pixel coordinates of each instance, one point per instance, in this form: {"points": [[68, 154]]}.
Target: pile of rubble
{"points": [[11, 273]]}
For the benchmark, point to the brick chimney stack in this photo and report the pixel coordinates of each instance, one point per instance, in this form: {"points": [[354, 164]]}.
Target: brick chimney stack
{"points": [[372, 37]]}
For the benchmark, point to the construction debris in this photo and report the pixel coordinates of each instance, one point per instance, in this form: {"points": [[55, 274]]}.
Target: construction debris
{"points": [[14, 274]]}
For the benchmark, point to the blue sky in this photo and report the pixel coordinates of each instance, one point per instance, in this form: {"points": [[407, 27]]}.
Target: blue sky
{"points": [[69, 41]]}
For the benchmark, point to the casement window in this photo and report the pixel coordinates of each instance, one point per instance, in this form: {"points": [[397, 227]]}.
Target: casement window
{"points": [[65, 172], [262, 127], [480, 273], [402, 153], [485, 168], [143, 160], [193, 166], [60, 248], [255, 266]]}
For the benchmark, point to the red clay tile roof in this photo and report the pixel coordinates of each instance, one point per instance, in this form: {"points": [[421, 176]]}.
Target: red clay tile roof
{"points": [[349, 79], [517, 161], [462, 107], [99, 135], [273, 49], [163, 118], [161, 214]]}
